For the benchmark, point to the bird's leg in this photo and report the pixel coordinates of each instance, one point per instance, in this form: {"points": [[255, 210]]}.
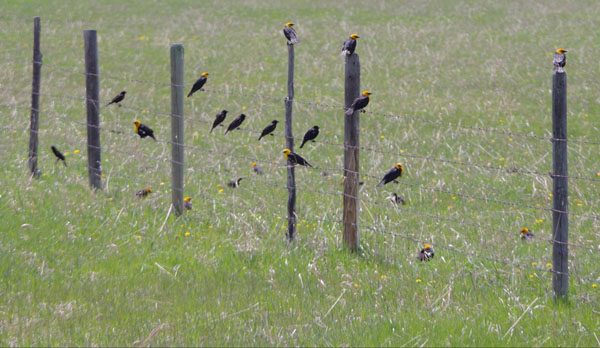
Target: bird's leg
{"points": [[363, 111], [119, 105], [396, 182]]}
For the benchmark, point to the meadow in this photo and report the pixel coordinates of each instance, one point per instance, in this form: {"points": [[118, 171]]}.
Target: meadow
{"points": [[88, 268]]}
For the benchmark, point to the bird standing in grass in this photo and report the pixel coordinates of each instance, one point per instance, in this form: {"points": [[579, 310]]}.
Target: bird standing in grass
{"points": [[310, 135], [294, 158], [187, 203], [526, 234], [359, 103], [349, 45], [219, 119], [560, 60], [392, 175], [119, 98], [268, 129], [290, 33], [235, 123], [59, 155], [397, 199], [257, 168], [234, 183], [426, 253], [144, 192], [199, 84], [142, 130]]}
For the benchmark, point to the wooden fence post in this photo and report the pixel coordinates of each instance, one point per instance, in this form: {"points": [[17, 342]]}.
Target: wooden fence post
{"points": [[560, 218], [92, 89], [35, 98], [289, 141], [177, 127], [351, 144]]}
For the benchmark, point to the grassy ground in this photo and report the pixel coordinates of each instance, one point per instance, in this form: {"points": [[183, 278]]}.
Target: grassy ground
{"points": [[104, 268]]}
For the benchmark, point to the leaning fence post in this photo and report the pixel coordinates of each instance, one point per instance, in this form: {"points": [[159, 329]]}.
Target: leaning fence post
{"points": [[92, 91], [35, 98], [177, 127], [560, 217], [351, 144], [289, 141]]}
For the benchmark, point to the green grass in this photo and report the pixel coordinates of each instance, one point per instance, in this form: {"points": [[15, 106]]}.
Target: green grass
{"points": [[104, 268]]}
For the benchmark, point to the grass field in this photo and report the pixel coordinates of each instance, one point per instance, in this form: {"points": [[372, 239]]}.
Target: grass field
{"points": [[86, 268]]}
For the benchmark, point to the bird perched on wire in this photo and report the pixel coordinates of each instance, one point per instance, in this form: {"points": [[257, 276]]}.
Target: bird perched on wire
{"points": [[142, 130], [219, 119], [257, 168], [290, 33], [187, 203], [199, 84], [235, 123], [359, 103], [392, 175], [349, 45], [426, 253], [526, 234], [268, 129], [560, 60], [397, 199], [294, 158], [234, 183], [144, 192], [310, 135], [59, 155], [119, 98]]}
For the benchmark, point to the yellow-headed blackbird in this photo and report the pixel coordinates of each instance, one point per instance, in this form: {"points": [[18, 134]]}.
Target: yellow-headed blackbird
{"points": [[290, 33], [235, 123], [219, 119], [187, 203], [144, 192], [268, 129], [117, 99], [198, 84], [310, 135], [560, 60], [234, 183], [359, 103], [59, 155], [142, 130], [349, 45], [397, 199], [257, 168], [426, 253], [294, 158], [526, 234], [392, 175]]}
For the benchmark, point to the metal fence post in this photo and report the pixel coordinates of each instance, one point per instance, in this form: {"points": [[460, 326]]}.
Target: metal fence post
{"points": [[177, 126], [35, 98], [289, 141], [92, 89]]}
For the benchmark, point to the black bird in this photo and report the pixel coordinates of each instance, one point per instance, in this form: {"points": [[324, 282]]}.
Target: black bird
{"points": [[198, 84], [526, 234], [144, 192], [117, 99], [426, 253], [234, 183], [219, 119], [268, 129], [59, 155], [142, 130], [392, 175], [290, 33], [359, 103], [349, 45], [397, 199], [294, 158], [257, 168], [310, 135], [235, 123]]}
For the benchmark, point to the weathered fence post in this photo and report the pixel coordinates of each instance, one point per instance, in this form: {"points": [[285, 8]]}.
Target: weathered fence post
{"points": [[92, 92], [289, 141], [35, 98], [351, 144], [560, 217], [177, 127]]}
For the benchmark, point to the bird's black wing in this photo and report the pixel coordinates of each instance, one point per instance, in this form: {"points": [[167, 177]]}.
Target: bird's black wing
{"points": [[197, 85], [218, 120]]}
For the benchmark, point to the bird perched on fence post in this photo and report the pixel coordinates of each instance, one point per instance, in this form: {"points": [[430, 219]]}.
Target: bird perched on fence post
{"points": [[526, 234], [560, 60], [392, 175], [234, 183], [59, 155], [187, 203], [310, 135], [219, 119], [144, 192], [142, 130], [426, 253], [199, 84], [290, 33], [257, 168], [359, 103], [268, 129], [235, 123], [294, 158], [118, 99], [349, 45]]}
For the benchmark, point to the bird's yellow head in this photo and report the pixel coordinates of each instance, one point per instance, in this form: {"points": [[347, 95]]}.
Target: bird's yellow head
{"points": [[253, 164], [366, 93], [137, 124], [187, 199], [286, 152], [204, 74], [354, 36], [561, 51], [524, 230], [427, 246], [148, 190], [399, 166], [289, 24]]}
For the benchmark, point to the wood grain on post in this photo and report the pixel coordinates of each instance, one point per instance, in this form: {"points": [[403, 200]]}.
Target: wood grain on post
{"points": [[560, 217], [35, 98], [351, 154], [177, 127], [289, 141], [92, 89]]}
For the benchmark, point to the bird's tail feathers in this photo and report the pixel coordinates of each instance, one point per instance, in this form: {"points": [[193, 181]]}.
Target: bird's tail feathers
{"points": [[349, 112], [380, 184]]}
